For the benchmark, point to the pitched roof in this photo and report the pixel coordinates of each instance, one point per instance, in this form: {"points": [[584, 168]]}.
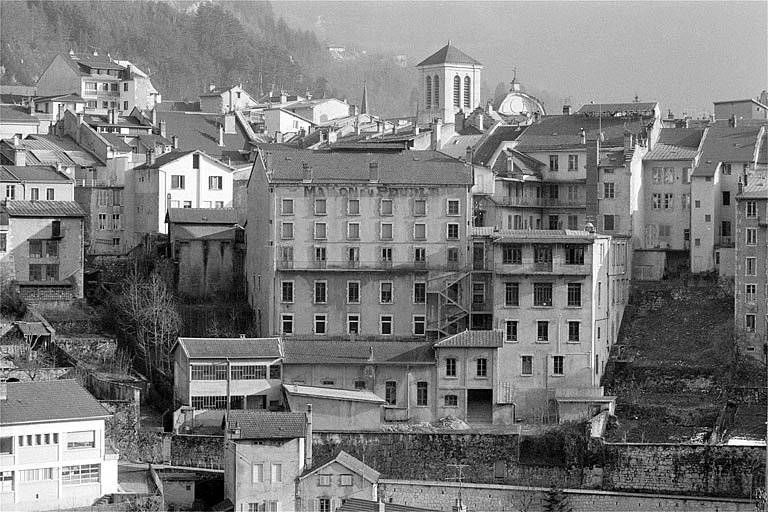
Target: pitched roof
{"points": [[456, 146], [353, 464], [546, 236], [349, 395], [165, 158], [448, 55], [16, 114], [300, 351], [723, 143], [197, 130], [361, 505], [480, 339], [233, 348], [44, 209], [564, 131], [670, 152], [33, 329], [685, 137], [756, 188], [117, 142], [52, 150], [408, 167], [747, 100], [487, 147], [611, 108], [203, 216], [92, 60], [48, 401], [70, 97], [268, 425]]}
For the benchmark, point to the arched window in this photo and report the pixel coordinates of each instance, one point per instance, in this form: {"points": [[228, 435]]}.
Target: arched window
{"points": [[437, 91], [456, 91], [429, 93], [467, 92]]}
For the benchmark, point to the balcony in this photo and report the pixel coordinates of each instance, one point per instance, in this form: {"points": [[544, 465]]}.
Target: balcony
{"points": [[378, 265], [540, 202], [557, 268]]}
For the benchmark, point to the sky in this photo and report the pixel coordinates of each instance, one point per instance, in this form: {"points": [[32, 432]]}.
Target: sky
{"points": [[685, 55]]}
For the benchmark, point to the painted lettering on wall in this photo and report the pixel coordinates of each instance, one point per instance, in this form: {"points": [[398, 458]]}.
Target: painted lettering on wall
{"points": [[383, 191]]}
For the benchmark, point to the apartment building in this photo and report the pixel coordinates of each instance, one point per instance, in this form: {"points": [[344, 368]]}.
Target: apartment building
{"points": [[729, 154], [53, 451], [348, 242], [751, 279]]}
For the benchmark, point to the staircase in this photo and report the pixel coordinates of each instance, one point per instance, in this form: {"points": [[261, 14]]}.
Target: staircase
{"points": [[450, 296]]}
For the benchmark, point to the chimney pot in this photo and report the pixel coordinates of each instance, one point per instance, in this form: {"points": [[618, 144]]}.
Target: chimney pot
{"points": [[566, 110], [583, 136], [163, 129], [175, 141], [307, 172], [374, 172], [221, 135]]}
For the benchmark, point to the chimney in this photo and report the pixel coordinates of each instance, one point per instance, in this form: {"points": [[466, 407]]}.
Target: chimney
{"points": [[154, 117], [394, 128], [468, 154], [307, 172], [628, 143], [458, 120], [332, 136], [382, 507], [536, 116], [279, 137], [479, 121], [374, 172], [283, 97], [733, 122], [437, 128], [357, 126], [489, 107], [79, 119], [211, 87], [221, 135], [150, 157], [308, 439], [380, 127], [111, 118], [416, 129], [19, 154], [741, 186], [567, 110], [175, 141], [163, 129], [229, 124], [583, 136]]}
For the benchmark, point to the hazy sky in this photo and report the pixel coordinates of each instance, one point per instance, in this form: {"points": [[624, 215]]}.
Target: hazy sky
{"points": [[682, 54]]}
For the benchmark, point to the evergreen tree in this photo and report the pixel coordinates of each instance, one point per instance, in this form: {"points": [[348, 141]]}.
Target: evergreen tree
{"points": [[556, 501]]}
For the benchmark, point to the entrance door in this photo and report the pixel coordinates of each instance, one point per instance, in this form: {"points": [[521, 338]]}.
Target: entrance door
{"points": [[479, 405]]}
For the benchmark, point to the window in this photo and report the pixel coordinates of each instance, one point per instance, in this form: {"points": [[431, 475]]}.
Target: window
{"points": [[105, 104], [386, 254], [573, 162], [685, 201], [346, 480], [286, 323], [751, 209], [482, 367], [286, 291], [609, 191], [321, 292], [320, 323], [102, 221], [668, 201], [553, 163], [385, 207], [353, 207], [286, 207], [751, 236], [526, 365], [116, 224], [511, 294], [467, 91], [320, 207], [324, 504], [36, 272], [275, 371], [450, 367], [37, 475], [453, 207], [321, 254], [451, 401], [321, 231], [749, 322], [609, 222], [82, 474], [353, 323], [727, 169], [421, 394], [573, 331], [574, 254], [209, 372], [669, 175], [542, 255], [420, 255], [510, 330], [656, 201], [419, 293], [542, 294], [419, 207], [419, 231], [478, 293], [452, 231], [324, 480], [257, 473], [10, 192], [6, 445], [725, 228], [707, 218], [353, 292], [436, 91], [726, 198], [386, 231], [286, 253], [558, 365], [428, 91], [511, 255], [542, 330], [286, 230], [697, 242], [277, 473], [390, 392], [452, 256], [195, 161], [574, 295], [81, 440], [215, 182], [353, 231], [34, 194], [35, 248], [750, 267], [3, 242], [125, 103], [750, 291], [249, 372], [385, 325], [385, 292], [177, 181], [187, 204], [456, 91]]}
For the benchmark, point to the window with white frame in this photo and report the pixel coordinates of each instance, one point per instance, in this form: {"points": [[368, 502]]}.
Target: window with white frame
{"points": [[353, 231], [385, 254], [321, 231], [419, 254], [324, 480], [177, 181], [558, 365], [320, 207], [542, 294], [750, 266], [750, 291], [419, 231], [526, 365], [419, 207], [321, 253], [510, 331], [452, 231], [286, 294], [286, 230], [419, 292], [346, 480], [81, 440], [102, 221], [511, 294], [481, 366], [385, 325], [353, 323], [609, 190], [81, 474], [419, 325], [321, 292], [353, 206], [286, 207], [751, 207], [573, 162], [574, 295], [385, 292], [320, 323], [451, 401], [749, 322], [286, 323], [574, 331], [386, 207], [277, 473], [353, 292], [450, 367], [257, 473], [452, 207], [385, 231], [751, 236], [215, 182], [542, 330]]}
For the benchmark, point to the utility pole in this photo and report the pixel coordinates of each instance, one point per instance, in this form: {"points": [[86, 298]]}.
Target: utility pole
{"points": [[459, 468]]}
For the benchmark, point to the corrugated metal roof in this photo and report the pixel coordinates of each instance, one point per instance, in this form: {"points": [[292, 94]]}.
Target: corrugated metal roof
{"points": [[311, 351], [240, 348], [268, 425], [481, 339], [608, 108], [349, 395], [44, 209], [448, 55], [757, 188], [48, 401]]}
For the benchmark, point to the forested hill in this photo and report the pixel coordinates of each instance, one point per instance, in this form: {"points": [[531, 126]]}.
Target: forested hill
{"points": [[185, 47]]}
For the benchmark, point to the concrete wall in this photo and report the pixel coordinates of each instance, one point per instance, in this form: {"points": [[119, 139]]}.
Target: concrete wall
{"points": [[59, 78], [339, 415], [206, 268]]}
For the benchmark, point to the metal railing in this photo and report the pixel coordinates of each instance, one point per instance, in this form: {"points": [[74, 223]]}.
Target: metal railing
{"points": [[365, 265], [540, 202]]}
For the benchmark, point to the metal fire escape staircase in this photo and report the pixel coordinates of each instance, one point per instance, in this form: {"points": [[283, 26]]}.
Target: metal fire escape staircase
{"points": [[448, 296]]}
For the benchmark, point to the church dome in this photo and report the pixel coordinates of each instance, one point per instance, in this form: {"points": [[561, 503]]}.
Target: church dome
{"points": [[517, 103]]}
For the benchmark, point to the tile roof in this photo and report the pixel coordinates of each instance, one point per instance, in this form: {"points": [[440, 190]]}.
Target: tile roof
{"points": [[723, 143], [303, 351], [448, 55], [44, 209], [456, 146], [268, 425], [546, 236], [117, 142], [203, 216], [487, 147], [756, 188], [33, 329], [165, 158], [70, 98], [349, 395], [197, 130], [610, 108], [563, 131], [686, 137], [41, 173], [48, 401], [52, 150], [670, 152], [233, 348], [7, 176], [361, 505], [92, 60], [408, 167], [355, 465], [482, 339], [203, 232], [16, 114]]}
